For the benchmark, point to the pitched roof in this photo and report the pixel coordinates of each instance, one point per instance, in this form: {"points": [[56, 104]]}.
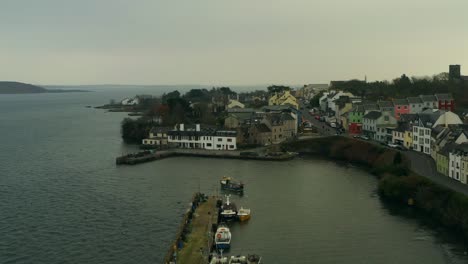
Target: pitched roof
{"points": [[403, 126], [240, 110], [409, 117], [444, 97], [373, 115], [385, 103], [400, 101], [262, 128], [428, 119], [414, 100], [428, 98], [447, 149]]}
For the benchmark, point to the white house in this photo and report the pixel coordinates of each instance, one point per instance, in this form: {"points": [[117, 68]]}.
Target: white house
{"points": [[202, 139], [130, 101], [458, 158], [428, 120]]}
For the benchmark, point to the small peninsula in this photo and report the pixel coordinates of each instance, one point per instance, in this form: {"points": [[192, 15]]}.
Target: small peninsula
{"points": [[24, 88]]}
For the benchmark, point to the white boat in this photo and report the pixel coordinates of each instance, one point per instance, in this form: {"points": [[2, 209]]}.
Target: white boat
{"points": [[223, 237], [228, 210], [250, 259], [219, 260], [243, 214]]}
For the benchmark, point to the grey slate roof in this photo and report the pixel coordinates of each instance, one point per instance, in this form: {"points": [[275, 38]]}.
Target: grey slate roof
{"points": [[402, 127], [385, 104], [428, 119], [240, 110], [400, 101], [428, 98], [447, 149], [373, 115], [409, 117], [262, 128], [414, 100], [444, 97]]}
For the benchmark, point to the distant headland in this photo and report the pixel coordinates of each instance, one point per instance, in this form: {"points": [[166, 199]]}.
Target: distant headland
{"points": [[24, 88]]}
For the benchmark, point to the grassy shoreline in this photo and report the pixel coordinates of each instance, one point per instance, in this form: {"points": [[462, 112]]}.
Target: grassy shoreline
{"points": [[397, 183]]}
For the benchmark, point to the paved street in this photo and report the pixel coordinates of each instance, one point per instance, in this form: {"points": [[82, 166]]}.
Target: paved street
{"points": [[425, 166], [421, 164]]}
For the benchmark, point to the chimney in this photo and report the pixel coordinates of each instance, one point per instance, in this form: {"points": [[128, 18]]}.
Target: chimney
{"points": [[181, 127], [197, 127], [237, 97]]}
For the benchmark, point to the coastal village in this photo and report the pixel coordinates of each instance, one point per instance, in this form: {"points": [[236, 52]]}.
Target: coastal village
{"points": [[257, 125], [427, 123]]}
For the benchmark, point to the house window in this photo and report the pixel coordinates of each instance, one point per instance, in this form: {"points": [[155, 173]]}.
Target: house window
{"points": [[406, 107], [218, 146], [231, 146], [427, 141], [427, 132], [220, 139], [208, 144], [229, 140], [398, 107]]}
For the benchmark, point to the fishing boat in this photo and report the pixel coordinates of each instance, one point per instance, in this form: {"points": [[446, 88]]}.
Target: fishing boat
{"points": [[223, 237], [228, 210], [243, 214], [229, 184]]}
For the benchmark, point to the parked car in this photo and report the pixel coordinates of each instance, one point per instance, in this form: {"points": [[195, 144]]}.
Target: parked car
{"points": [[393, 145], [364, 137], [333, 125], [317, 117]]}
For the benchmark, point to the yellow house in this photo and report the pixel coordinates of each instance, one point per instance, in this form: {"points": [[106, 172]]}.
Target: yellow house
{"points": [[408, 139], [285, 98]]}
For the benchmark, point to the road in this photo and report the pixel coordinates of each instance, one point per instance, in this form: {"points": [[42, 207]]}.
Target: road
{"points": [[322, 127], [424, 165], [421, 164]]}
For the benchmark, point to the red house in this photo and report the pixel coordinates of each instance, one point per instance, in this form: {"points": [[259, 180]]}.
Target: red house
{"points": [[401, 107], [445, 102]]}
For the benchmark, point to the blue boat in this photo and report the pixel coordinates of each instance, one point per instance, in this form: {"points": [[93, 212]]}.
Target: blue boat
{"points": [[228, 184], [223, 237]]}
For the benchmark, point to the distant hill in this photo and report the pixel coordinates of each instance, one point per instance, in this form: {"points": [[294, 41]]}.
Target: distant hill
{"points": [[19, 88], [24, 88]]}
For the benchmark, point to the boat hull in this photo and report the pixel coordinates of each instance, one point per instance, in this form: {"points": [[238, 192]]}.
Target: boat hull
{"points": [[223, 246], [244, 218]]}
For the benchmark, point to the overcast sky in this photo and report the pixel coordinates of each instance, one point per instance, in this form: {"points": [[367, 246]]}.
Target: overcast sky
{"points": [[237, 42]]}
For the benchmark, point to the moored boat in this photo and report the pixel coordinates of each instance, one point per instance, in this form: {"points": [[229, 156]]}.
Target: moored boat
{"points": [[243, 214], [219, 260], [223, 237], [229, 184], [228, 210], [250, 259]]}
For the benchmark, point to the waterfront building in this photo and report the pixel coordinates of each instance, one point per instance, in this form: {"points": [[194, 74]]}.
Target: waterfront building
{"points": [[284, 98], [398, 135], [451, 134], [369, 124], [157, 137], [442, 159], [210, 139], [401, 107], [427, 120], [356, 114], [457, 170], [445, 102], [342, 106]]}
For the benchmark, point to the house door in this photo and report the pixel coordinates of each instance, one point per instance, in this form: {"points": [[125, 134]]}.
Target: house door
{"points": [[422, 148]]}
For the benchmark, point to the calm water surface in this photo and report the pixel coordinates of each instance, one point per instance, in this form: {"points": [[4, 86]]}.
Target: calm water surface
{"points": [[62, 199]]}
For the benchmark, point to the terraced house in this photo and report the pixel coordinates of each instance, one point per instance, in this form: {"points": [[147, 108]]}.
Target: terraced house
{"points": [[401, 107]]}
